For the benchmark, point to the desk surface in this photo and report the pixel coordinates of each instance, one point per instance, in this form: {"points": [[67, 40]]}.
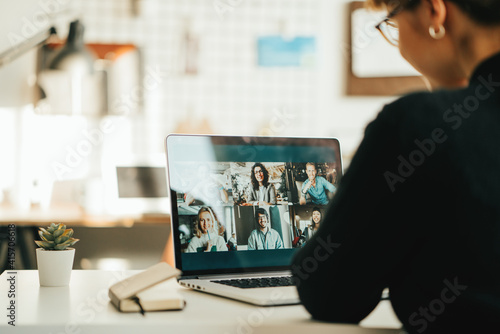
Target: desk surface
{"points": [[84, 307], [73, 215]]}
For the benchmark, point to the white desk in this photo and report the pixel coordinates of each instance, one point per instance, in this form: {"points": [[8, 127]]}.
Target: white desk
{"points": [[84, 307]]}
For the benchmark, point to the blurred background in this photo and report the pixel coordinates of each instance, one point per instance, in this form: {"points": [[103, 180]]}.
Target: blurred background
{"points": [[89, 89]]}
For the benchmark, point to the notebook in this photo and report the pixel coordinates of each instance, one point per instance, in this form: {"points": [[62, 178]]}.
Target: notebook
{"points": [[149, 290], [242, 206]]}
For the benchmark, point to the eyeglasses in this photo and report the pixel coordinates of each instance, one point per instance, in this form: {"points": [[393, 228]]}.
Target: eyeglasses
{"points": [[388, 28]]}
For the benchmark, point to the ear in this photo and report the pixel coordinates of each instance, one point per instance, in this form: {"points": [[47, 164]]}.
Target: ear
{"points": [[437, 12]]}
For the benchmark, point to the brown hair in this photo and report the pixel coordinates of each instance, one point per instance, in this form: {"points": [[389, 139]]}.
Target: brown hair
{"points": [[390, 4], [265, 181], [313, 224], [481, 11]]}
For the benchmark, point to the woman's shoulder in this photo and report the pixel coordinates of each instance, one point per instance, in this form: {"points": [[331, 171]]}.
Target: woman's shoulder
{"points": [[423, 104], [416, 114]]}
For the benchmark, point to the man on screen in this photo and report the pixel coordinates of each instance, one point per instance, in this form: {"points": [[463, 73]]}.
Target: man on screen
{"points": [[264, 237], [315, 187]]}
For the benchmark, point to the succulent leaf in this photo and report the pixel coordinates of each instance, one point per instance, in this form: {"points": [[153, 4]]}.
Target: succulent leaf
{"points": [[68, 233], [73, 241], [61, 239], [58, 233], [55, 237], [45, 244], [47, 236]]}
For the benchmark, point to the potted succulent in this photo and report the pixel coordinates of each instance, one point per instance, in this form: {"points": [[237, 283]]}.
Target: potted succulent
{"points": [[55, 255]]}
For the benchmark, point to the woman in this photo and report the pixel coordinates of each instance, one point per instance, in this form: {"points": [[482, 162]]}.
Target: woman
{"points": [[260, 192], [417, 211], [315, 220], [207, 238]]}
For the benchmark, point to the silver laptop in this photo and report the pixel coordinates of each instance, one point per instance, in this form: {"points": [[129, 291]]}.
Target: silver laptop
{"points": [[242, 206]]}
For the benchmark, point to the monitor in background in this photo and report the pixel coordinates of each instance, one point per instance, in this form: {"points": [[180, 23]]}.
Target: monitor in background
{"points": [[136, 186], [141, 182]]}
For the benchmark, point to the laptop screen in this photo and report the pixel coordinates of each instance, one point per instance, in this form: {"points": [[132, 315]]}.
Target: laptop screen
{"points": [[243, 204]]}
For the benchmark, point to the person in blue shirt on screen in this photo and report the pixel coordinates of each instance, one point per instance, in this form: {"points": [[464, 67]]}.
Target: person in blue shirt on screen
{"points": [[315, 187], [264, 237]]}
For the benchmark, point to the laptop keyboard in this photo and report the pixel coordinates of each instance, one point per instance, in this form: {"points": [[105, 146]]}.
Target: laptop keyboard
{"points": [[258, 282]]}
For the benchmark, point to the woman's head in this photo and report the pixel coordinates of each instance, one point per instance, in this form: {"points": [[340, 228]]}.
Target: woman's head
{"points": [[444, 39], [207, 221], [315, 217], [259, 175]]}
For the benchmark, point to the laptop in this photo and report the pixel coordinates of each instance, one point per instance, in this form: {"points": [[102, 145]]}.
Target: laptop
{"points": [[241, 207]]}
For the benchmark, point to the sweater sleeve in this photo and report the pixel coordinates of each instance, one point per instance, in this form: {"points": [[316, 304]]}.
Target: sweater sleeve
{"points": [[272, 194], [250, 192], [342, 270]]}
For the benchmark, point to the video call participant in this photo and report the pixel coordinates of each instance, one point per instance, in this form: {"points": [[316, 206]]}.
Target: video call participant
{"points": [[264, 237], [232, 242], [260, 191], [315, 187], [315, 221], [206, 237]]}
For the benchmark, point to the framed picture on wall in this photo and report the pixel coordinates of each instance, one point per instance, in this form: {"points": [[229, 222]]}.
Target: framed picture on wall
{"points": [[375, 67]]}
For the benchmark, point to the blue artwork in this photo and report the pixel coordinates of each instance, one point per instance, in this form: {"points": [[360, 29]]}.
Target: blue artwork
{"points": [[275, 51]]}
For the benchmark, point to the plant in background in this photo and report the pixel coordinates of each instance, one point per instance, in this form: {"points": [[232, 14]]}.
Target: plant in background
{"points": [[56, 237]]}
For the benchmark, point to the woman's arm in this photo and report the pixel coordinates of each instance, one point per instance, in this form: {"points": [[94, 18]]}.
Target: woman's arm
{"points": [[251, 198], [272, 194], [341, 271]]}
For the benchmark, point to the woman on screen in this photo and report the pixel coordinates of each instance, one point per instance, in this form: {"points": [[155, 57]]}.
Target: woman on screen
{"points": [[260, 192], [207, 238], [315, 221]]}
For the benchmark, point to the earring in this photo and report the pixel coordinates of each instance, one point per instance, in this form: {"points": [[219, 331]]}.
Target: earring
{"points": [[437, 34]]}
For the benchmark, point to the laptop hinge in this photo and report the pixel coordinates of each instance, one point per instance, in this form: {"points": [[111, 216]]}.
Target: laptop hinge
{"points": [[239, 275]]}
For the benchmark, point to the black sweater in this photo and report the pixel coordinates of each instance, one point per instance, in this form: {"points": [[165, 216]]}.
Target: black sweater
{"points": [[417, 211]]}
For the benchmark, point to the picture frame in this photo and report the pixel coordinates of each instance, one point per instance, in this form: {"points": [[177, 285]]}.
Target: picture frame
{"points": [[370, 57]]}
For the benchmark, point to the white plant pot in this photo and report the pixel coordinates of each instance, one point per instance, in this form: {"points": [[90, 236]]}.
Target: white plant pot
{"points": [[54, 266]]}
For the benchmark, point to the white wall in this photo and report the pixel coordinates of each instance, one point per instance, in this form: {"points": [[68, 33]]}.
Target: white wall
{"points": [[229, 91]]}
